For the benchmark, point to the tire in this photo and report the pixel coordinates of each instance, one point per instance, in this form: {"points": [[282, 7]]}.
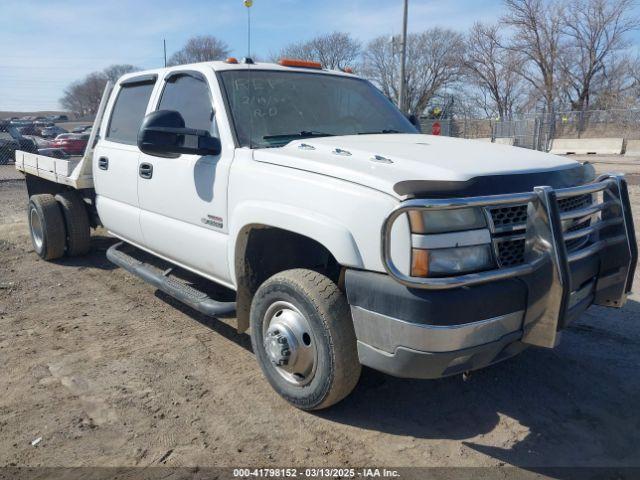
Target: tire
{"points": [[76, 219], [285, 306], [46, 226]]}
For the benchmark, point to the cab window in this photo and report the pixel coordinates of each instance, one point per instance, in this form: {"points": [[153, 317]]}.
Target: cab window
{"points": [[128, 112], [189, 95]]}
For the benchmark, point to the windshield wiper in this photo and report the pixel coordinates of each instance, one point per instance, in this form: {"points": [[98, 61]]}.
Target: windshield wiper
{"points": [[389, 130], [302, 134]]}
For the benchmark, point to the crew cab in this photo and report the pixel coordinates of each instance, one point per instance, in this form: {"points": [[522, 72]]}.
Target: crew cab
{"points": [[303, 202]]}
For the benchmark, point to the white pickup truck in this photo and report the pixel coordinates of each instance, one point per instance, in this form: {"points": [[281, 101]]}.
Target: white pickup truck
{"points": [[334, 231]]}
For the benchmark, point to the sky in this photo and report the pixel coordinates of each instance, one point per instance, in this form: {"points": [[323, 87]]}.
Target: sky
{"points": [[47, 44]]}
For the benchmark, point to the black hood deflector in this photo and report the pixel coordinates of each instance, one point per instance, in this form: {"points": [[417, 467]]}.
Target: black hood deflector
{"points": [[497, 184]]}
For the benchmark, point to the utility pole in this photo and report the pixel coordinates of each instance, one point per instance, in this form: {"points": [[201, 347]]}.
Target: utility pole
{"points": [[403, 60]]}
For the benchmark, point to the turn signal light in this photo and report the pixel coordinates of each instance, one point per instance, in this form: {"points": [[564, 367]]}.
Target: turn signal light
{"points": [[416, 220], [419, 263], [290, 62]]}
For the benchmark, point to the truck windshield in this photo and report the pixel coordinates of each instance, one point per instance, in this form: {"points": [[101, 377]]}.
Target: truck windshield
{"points": [[271, 108]]}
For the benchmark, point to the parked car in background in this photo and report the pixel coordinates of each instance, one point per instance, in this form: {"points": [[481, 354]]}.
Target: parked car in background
{"points": [[73, 144], [39, 141], [58, 118], [17, 122], [81, 129], [29, 130], [52, 132], [64, 136], [53, 152], [10, 141]]}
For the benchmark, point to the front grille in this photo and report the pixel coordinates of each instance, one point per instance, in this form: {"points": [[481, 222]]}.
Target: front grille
{"points": [[577, 243], [574, 203], [510, 251], [509, 217], [513, 217]]}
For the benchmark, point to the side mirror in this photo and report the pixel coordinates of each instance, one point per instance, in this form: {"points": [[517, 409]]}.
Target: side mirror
{"points": [[163, 134], [415, 121]]}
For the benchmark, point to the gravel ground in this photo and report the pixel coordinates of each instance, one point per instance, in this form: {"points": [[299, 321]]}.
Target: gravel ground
{"points": [[108, 372]]}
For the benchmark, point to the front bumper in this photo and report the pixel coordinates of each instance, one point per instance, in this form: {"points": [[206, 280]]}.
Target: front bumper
{"points": [[431, 327]]}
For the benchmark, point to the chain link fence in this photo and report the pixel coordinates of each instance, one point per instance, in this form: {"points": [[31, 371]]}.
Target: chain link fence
{"points": [[537, 131], [598, 124], [533, 133], [10, 141], [8, 146], [8, 173]]}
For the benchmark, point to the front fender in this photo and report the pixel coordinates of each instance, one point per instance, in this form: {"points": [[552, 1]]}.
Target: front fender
{"points": [[334, 236]]}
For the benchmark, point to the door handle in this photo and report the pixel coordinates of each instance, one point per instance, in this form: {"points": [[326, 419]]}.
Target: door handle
{"points": [[103, 163], [146, 170]]}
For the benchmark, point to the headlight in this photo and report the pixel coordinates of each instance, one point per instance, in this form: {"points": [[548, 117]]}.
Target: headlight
{"points": [[440, 221], [450, 261], [451, 249]]}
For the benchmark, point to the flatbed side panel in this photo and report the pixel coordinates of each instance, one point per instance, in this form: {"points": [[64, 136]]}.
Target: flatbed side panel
{"points": [[52, 169]]}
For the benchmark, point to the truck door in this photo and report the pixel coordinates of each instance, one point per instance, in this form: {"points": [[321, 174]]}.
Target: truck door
{"points": [[183, 200], [116, 156]]}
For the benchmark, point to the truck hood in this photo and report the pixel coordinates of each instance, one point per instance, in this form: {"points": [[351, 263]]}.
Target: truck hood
{"points": [[406, 164]]}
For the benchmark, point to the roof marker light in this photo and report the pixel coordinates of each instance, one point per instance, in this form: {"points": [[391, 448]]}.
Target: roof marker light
{"points": [[291, 62], [231, 60]]}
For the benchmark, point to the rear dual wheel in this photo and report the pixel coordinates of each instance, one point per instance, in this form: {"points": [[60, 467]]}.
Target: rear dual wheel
{"points": [[46, 226], [59, 225], [76, 219]]}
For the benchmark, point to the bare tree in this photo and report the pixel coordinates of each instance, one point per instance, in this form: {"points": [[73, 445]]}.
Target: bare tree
{"points": [[492, 69], [335, 51], [537, 41], [616, 86], [114, 72], [434, 61], [73, 100], [634, 77], [203, 48], [83, 97], [595, 30]]}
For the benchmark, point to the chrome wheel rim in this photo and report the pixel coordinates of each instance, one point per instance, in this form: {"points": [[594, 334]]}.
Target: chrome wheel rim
{"points": [[290, 343], [36, 229]]}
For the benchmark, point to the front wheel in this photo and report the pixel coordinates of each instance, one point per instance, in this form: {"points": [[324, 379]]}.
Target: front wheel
{"points": [[303, 338]]}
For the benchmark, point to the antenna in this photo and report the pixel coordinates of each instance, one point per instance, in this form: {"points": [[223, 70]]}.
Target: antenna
{"points": [[164, 44], [249, 4]]}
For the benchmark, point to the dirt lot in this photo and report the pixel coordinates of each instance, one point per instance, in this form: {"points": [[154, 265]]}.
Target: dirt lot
{"points": [[108, 372]]}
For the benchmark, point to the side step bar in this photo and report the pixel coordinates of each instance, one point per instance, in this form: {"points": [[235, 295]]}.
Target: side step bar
{"points": [[184, 293]]}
